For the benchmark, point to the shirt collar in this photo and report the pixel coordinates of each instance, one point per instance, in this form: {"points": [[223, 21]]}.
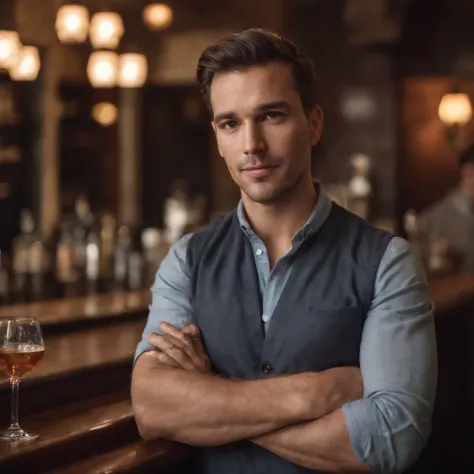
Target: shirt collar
{"points": [[313, 224]]}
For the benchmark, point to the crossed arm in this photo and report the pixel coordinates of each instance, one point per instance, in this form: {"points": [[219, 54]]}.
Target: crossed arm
{"points": [[176, 397], [308, 418]]}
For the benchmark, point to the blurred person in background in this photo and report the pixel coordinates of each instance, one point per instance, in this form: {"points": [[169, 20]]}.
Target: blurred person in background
{"points": [[288, 336], [448, 225]]}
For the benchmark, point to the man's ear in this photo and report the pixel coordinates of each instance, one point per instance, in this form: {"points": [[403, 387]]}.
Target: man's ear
{"points": [[316, 121]]}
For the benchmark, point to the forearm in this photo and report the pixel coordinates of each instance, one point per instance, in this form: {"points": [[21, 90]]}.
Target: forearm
{"points": [[321, 445], [203, 409]]}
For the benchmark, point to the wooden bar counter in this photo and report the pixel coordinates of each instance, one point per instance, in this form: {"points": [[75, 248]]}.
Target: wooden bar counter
{"points": [[78, 397], [73, 310]]}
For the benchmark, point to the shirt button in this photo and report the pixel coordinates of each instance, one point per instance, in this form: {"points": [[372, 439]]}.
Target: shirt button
{"points": [[267, 369], [258, 252], [265, 318]]}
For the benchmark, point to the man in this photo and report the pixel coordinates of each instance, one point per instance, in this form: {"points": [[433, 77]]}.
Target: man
{"points": [[450, 223], [263, 318]]}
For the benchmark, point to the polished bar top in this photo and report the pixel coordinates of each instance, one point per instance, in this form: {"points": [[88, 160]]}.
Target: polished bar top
{"points": [[445, 291], [86, 349], [69, 310], [67, 424], [131, 457]]}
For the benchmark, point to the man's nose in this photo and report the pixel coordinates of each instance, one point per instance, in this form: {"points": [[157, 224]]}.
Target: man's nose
{"points": [[254, 140]]}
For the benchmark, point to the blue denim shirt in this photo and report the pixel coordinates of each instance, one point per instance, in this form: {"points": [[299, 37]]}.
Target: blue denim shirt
{"points": [[389, 426]]}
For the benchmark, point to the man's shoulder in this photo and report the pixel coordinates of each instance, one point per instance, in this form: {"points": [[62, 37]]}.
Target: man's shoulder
{"points": [[353, 223], [211, 235]]}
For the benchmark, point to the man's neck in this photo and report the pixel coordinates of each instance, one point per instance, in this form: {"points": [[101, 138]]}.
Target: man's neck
{"points": [[278, 222]]}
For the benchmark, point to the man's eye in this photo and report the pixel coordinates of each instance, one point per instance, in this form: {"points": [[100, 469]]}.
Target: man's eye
{"points": [[272, 115], [229, 125]]}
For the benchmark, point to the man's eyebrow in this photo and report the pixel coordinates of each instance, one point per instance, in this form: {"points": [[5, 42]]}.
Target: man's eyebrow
{"points": [[280, 104], [225, 115]]}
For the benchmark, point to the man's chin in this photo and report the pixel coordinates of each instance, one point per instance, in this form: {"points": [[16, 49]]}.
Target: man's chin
{"points": [[264, 193]]}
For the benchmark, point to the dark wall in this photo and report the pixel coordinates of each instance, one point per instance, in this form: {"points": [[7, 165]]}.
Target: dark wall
{"points": [[19, 138], [347, 75], [176, 146], [88, 150]]}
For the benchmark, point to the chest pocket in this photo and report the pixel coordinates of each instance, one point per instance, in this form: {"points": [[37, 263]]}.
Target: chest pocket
{"points": [[316, 339]]}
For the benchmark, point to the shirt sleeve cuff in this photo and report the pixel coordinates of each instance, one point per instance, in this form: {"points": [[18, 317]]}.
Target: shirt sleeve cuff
{"points": [[142, 347], [383, 439]]}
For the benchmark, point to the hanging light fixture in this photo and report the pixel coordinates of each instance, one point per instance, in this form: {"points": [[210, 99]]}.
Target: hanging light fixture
{"points": [[28, 66], [157, 16], [10, 47], [102, 68], [133, 70], [106, 30], [72, 23]]}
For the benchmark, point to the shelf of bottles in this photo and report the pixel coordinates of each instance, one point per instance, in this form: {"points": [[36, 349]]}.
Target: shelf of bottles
{"points": [[87, 255]]}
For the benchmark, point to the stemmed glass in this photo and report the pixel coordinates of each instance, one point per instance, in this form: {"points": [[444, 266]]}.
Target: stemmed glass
{"points": [[21, 348]]}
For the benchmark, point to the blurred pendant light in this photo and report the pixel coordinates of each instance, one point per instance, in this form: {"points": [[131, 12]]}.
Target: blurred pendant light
{"points": [[10, 47], [106, 30], [157, 16], [28, 66], [105, 113], [102, 69], [72, 23], [133, 70]]}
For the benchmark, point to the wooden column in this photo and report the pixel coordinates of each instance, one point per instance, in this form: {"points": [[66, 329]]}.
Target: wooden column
{"points": [[49, 144], [130, 150]]}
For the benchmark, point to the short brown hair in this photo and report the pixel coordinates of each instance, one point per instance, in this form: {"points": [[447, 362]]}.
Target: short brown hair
{"points": [[256, 47]]}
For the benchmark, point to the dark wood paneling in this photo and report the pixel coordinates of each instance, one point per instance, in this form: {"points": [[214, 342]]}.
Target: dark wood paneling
{"points": [[177, 146], [428, 162]]}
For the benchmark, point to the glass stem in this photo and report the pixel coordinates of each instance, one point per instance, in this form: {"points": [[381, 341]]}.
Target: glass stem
{"points": [[15, 387]]}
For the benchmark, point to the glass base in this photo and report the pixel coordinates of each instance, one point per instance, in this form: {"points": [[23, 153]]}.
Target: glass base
{"points": [[17, 434]]}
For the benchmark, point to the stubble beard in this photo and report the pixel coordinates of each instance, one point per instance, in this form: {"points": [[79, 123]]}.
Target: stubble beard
{"points": [[271, 192]]}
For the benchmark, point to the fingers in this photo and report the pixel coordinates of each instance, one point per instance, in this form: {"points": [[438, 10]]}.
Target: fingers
{"points": [[178, 338], [182, 346], [171, 349], [202, 362], [193, 331], [166, 359]]}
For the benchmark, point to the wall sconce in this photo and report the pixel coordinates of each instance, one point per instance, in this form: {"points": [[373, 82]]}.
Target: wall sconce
{"points": [[133, 70], [157, 16], [72, 23], [27, 68], [106, 30], [455, 111], [10, 47], [102, 69]]}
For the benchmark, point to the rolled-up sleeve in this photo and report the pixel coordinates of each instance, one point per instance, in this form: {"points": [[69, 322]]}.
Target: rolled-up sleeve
{"points": [[390, 426], [171, 295]]}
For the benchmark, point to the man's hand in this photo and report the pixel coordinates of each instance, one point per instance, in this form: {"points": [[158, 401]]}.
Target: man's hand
{"points": [[181, 348]]}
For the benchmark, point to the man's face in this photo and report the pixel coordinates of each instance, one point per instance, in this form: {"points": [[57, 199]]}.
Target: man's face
{"points": [[467, 180], [262, 131]]}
